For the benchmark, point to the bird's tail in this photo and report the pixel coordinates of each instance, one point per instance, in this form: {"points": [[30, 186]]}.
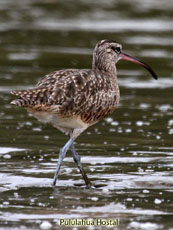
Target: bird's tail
{"points": [[30, 97], [20, 102], [23, 99]]}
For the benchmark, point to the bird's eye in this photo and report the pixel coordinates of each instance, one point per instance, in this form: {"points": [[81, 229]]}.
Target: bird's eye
{"points": [[116, 49]]}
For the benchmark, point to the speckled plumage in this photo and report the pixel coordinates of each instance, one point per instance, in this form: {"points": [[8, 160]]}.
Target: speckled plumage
{"points": [[72, 94], [72, 100]]}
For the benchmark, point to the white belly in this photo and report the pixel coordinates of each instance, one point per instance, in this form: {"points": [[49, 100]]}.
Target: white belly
{"points": [[58, 120]]}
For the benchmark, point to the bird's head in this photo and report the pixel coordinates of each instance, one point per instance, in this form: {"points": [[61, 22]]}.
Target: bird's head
{"points": [[107, 53]]}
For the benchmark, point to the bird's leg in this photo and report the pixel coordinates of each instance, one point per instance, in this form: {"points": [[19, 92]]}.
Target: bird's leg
{"points": [[62, 154], [77, 158]]}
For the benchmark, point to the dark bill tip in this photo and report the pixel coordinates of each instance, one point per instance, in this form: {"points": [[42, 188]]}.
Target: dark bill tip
{"points": [[139, 62]]}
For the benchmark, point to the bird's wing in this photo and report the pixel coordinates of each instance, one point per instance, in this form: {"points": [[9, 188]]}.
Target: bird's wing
{"points": [[83, 91], [73, 91], [38, 95]]}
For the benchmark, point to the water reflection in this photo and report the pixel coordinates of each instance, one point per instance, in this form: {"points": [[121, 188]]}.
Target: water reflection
{"points": [[106, 26], [133, 82]]}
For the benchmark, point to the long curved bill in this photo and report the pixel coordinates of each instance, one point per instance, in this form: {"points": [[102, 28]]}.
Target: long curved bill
{"points": [[137, 61]]}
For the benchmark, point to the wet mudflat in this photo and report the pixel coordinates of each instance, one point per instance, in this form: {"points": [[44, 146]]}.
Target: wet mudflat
{"points": [[129, 154]]}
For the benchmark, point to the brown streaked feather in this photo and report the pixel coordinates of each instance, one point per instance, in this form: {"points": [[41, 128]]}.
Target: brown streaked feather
{"points": [[31, 97], [93, 117], [74, 92]]}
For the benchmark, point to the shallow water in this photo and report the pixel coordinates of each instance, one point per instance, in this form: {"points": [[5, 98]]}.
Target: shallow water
{"points": [[129, 154]]}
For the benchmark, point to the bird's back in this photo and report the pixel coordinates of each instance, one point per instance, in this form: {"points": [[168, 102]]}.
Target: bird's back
{"points": [[87, 93]]}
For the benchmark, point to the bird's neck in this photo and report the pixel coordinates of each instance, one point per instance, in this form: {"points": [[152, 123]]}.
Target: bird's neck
{"points": [[103, 64]]}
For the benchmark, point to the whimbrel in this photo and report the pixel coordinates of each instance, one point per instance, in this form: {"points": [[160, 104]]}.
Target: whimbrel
{"points": [[72, 100]]}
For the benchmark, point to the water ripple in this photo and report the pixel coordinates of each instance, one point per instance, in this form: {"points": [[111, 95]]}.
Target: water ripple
{"points": [[106, 25]]}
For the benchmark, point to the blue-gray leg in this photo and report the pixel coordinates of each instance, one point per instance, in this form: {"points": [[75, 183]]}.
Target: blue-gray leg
{"points": [[62, 154], [76, 158]]}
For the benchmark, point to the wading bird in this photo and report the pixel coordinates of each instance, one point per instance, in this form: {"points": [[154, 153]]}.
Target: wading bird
{"points": [[71, 100]]}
